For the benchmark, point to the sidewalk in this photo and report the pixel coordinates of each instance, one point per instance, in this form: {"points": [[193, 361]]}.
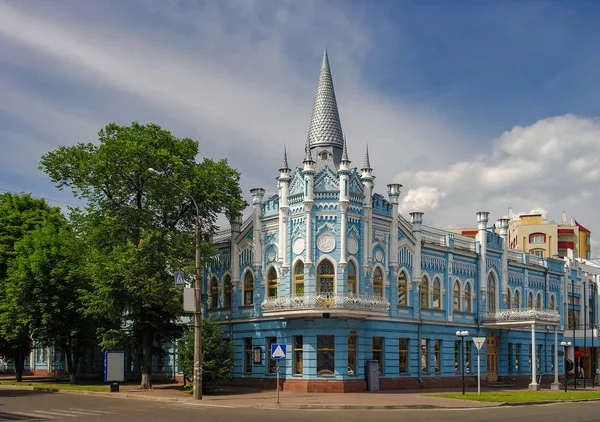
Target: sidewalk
{"points": [[246, 397]]}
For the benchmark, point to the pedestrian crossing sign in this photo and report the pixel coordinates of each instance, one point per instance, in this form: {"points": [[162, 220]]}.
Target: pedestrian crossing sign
{"points": [[277, 351], [179, 279]]}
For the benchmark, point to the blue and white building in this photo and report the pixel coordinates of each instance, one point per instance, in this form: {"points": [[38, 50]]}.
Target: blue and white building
{"points": [[329, 268]]}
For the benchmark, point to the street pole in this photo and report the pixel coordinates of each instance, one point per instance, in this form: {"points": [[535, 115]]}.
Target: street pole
{"points": [[478, 374], [277, 381], [575, 370], [585, 311], [197, 387], [462, 361], [197, 318], [565, 344]]}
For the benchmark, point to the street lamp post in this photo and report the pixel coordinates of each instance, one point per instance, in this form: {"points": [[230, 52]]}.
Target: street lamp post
{"points": [[565, 344], [197, 393], [462, 335]]}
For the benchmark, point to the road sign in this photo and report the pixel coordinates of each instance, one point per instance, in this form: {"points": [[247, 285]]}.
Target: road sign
{"points": [[179, 278], [277, 351], [478, 342]]}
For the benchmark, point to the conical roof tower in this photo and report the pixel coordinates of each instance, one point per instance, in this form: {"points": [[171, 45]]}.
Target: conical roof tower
{"points": [[325, 131]]}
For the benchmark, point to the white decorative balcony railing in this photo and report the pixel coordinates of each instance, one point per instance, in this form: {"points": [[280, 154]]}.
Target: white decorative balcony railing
{"points": [[522, 315], [323, 301]]}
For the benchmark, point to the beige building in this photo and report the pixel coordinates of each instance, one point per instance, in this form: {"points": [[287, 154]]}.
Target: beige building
{"points": [[532, 233]]}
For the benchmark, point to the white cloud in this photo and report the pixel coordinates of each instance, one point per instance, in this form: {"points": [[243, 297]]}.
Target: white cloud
{"points": [[240, 77], [225, 75], [549, 166]]}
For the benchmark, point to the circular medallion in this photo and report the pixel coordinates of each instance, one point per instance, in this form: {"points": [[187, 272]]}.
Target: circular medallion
{"points": [[326, 243], [298, 246], [352, 245], [379, 256], [271, 255]]}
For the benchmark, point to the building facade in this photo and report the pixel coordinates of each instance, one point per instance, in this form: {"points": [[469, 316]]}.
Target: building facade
{"points": [[531, 233], [328, 267]]}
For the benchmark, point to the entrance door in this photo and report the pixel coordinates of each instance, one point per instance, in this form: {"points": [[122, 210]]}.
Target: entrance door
{"points": [[491, 348]]}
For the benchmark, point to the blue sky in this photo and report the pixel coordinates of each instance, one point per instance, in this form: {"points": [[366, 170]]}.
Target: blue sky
{"points": [[471, 105]]}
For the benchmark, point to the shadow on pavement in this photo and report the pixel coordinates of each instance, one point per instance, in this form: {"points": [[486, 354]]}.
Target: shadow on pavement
{"points": [[16, 417], [21, 393]]}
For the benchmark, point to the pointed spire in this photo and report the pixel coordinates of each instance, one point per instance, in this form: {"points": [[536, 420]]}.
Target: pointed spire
{"points": [[307, 154], [325, 127], [367, 165], [285, 166], [345, 152]]}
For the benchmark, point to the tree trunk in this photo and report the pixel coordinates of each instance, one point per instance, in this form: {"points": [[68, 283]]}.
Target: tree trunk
{"points": [[146, 359], [70, 365], [19, 367]]}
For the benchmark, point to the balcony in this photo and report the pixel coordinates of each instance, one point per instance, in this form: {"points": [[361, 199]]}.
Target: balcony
{"points": [[566, 245], [522, 316], [333, 304]]}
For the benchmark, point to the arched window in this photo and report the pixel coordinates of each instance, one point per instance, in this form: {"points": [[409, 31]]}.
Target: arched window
{"points": [[351, 279], [437, 293], [378, 282], [468, 297], [325, 278], [402, 289], [517, 299], [538, 302], [509, 299], [248, 288], [456, 296], [491, 294], [552, 302], [214, 293], [531, 303], [424, 292], [272, 282], [227, 292], [299, 279]]}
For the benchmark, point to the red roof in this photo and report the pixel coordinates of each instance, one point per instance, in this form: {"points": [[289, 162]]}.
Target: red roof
{"points": [[581, 228]]}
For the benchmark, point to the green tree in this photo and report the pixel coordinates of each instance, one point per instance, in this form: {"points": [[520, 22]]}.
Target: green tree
{"points": [[47, 283], [139, 225], [217, 355], [19, 215]]}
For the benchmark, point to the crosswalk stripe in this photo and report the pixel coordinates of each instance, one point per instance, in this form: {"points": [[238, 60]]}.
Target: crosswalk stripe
{"points": [[29, 416], [44, 412], [81, 412], [101, 412]]}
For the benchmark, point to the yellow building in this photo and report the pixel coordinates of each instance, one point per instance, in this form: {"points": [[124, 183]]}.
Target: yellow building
{"points": [[531, 233]]}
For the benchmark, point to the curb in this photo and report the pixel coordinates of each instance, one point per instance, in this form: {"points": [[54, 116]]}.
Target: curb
{"points": [[283, 406], [537, 403]]}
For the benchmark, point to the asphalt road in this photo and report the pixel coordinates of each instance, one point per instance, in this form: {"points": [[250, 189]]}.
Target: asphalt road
{"points": [[26, 406]]}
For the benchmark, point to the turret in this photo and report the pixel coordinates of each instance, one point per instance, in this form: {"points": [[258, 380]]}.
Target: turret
{"points": [[394, 195], [367, 179], [416, 220], [482, 220], [284, 193], [257, 200], [503, 232], [344, 198]]}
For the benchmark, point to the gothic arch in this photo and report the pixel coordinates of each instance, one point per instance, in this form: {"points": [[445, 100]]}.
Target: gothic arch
{"points": [[405, 301], [492, 291], [468, 295]]}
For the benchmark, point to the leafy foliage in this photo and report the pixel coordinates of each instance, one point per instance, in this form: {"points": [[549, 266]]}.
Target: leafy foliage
{"points": [[20, 215], [139, 227], [47, 284], [217, 355]]}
